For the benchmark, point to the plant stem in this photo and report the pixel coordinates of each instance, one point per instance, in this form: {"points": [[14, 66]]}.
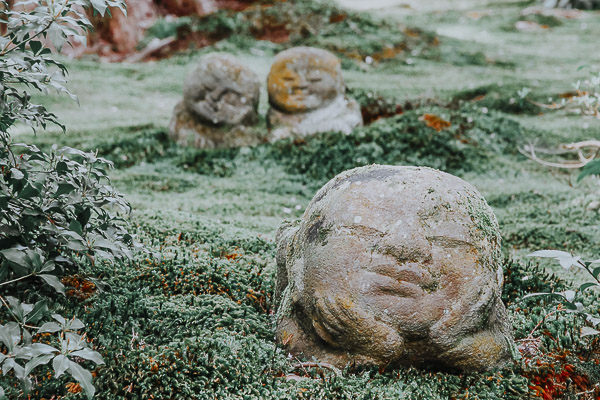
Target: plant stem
{"points": [[16, 280], [597, 279]]}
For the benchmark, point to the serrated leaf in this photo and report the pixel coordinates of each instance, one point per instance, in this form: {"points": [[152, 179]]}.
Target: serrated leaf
{"points": [[587, 331], [54, 282], [60, 365], [41, 360], [591, 168], [50, 327], [84, 377], [89, 354]]}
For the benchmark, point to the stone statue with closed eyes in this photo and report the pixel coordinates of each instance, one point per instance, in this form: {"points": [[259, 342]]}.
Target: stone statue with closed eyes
{"points": [[394, 266], [307, 95], [219, 106]]}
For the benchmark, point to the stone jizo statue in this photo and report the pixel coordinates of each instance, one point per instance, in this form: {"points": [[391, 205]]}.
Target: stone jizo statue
{"points": [[394, 266], [219, 106], [307, 95]]}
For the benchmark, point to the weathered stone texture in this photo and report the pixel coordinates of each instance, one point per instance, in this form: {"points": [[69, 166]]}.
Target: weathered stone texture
{"points": [[394, 266], [219, 106], [307, 94]]}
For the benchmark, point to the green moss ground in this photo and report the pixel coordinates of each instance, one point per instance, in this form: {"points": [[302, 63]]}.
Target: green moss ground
{"points": [[192, 320]]}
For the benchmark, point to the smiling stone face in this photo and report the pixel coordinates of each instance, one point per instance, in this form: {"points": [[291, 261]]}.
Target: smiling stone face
{"points": [[220, 90], [304, 79], [394, 265], [219, 106]]}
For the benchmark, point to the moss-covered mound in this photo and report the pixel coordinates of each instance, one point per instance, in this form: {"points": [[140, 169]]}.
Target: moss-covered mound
{"points": [[282, 24]]}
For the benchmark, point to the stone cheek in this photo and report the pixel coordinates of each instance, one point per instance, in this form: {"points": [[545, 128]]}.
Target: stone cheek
{"points": [[384, 269]]}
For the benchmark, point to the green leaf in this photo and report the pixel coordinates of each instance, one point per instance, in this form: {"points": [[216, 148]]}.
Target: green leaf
{"points": [[75, 226], [550, 254], [18, 260], [54, 282], [2, 395], [84, 378], [587, 285], [28, 192], [75, 324], [6, 337], [39, 309], [586, 331], [8, 365], [50, 327], [591, 168], [565, 259], [570, 306], [15, 307], [60, 365], [16, 174], [76, 245], [100, 6], [35, 46], [64, 188], [41, 360], [596, 272], [41, 348], [89, 354]]}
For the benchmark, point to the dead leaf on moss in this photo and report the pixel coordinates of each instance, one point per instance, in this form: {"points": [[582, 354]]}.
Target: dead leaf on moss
{"points": [[435, 122]]}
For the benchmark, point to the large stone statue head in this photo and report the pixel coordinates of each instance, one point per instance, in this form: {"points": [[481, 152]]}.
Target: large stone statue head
{"points": [[221, 90], [304, 79], [394, 266]]}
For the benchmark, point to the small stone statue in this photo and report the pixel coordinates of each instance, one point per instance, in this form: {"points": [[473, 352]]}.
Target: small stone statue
{"points": [[219, 106], [394, 266], [306, 93]]}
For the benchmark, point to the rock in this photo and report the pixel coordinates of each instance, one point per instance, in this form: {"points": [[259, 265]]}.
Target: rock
{"points": [[307, 95], [219, 106], [394, 266]]}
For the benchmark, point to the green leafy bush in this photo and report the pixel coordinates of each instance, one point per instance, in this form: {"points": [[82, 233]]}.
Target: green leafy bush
{"points": [[57, 210]]}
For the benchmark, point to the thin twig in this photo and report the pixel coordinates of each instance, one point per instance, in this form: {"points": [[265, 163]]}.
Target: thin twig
{"points": [[16, 280], [305, 365]]}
